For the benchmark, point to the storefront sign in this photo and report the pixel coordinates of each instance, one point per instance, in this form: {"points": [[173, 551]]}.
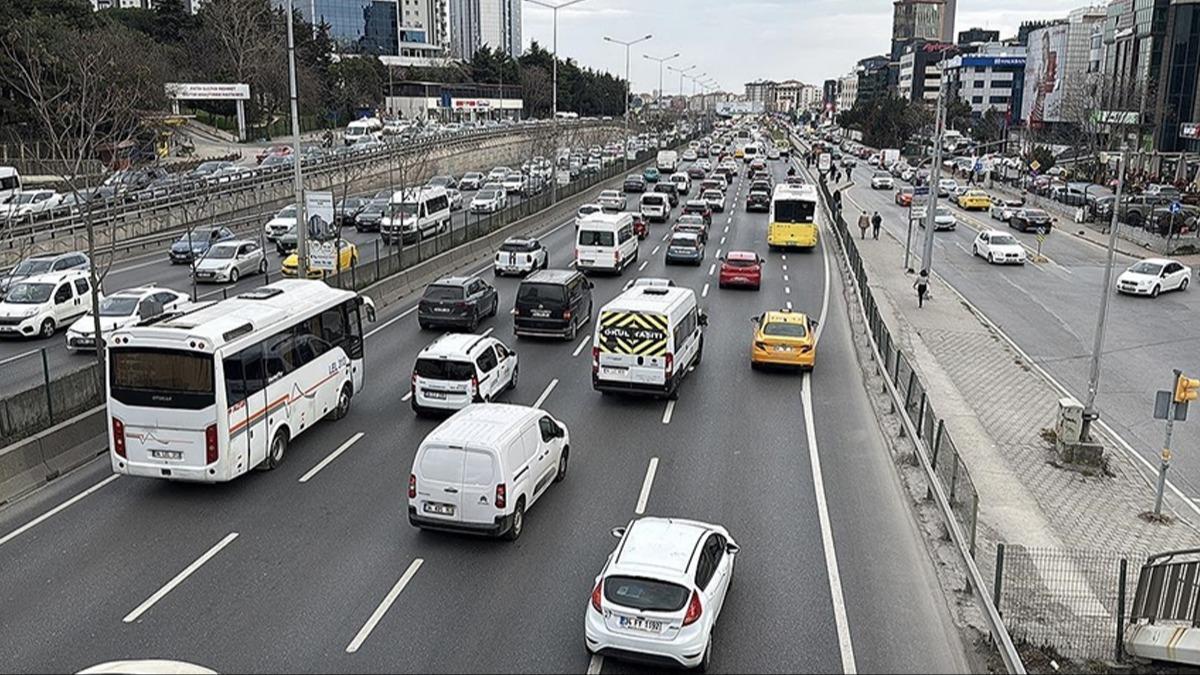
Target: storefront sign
{"points": [[470, 104]]}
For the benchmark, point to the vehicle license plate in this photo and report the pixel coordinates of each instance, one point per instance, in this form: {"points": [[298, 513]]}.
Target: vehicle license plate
{"points": [[639, 624], [439, 509], [166, 454]]}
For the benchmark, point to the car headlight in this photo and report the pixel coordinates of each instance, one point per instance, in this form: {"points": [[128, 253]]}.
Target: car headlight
{"points": [[29, 312]]}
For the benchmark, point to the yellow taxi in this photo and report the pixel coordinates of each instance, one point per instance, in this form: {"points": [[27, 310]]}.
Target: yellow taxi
{"points": [[739, 153], [347, 258], [972, 200], [784, 338]]}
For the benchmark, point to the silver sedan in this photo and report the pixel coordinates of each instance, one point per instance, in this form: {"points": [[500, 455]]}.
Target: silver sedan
{"points": [[229, 261]]}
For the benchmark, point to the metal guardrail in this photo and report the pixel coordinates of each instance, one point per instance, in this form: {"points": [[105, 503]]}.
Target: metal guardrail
{"points": [[1169, 589], [918, 434]]}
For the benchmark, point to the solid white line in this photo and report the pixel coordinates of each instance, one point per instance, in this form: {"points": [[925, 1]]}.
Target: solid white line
{"points": [[704, 293], [643, 265], [546, 394], [712, 268], [668, 412], [332, 456], [595, 665], [407, 396], [179, 578], [488, 332], [582, 344], [20, 356], [391, 321], [42, 518], [647, 483], [384, 606], [655, 251]]}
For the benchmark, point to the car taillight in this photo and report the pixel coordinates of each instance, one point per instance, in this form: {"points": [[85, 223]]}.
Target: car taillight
{"points": [[670, 362], [412, 486], [596, 596], [474, 383], [693, 611], [595, 360], [501, 496], [414, 381], [118, 430], [211, 453]]}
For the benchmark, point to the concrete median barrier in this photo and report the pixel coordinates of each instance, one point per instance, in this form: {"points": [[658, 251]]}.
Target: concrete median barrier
{"points": [[45, 456]]}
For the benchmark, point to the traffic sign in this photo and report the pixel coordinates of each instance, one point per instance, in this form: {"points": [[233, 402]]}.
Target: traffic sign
{"points": [[1175, 208], [921, 191], [1162, 407], [1035, 165], [919, 212], [322, 255]]}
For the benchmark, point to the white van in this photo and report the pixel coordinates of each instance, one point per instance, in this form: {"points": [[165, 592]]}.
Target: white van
{"points": [[605, 242], [655, 207], [750, 153], [647, 340], [416, 214], [668, 161], [39, 305], [364, 129], [484, 467], [10, 183], [459, 369]]}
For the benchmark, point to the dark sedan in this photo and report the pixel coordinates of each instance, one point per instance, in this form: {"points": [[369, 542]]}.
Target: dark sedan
{"points": [[758, 200], [634, 184], [348, 209], [457, 302], [371, 214], [1036, 220]]}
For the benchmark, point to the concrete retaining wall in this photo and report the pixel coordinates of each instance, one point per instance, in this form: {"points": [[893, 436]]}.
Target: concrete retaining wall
{"points": [[43, 457], [27, 412]]}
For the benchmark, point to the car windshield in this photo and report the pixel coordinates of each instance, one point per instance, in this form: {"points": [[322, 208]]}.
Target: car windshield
{"points": [[1153, 269], [785, 329], [23, 198], [29, 294], [943, 211], [1034, 213], [444, 292], [596, 238], [645, 594], [222, 252], [441, 369], [610, 194], [588, 210], [29, 268], [1003, 240], [287, 212], [517, 246], [118, 305]]}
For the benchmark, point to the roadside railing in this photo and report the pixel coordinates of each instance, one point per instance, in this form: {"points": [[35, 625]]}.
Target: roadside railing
{"points": [[52, 400]]}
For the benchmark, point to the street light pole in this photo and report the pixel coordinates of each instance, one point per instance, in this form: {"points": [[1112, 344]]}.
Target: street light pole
{"points": [[935, 175], [660, 61], [301, 220], [682, 72], [1090, 413], [627, 45], [554, 95]]}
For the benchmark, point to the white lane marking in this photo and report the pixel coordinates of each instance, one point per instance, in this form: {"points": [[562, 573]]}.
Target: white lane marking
{"points": [[785, 277], [727, 229], [655, 251], [789, 304], [783, 256], [139, 266], [54, 511], [384, 606], [571, 264], [407, 396], [668, 412], [332, 456], [391, 321], [488, 332], [704, 293], [179, 578], [582, 344], [546, 394], [712, 268], [719, 252], [787, 289], [729, 220], [668, 234], [643, 265], [595, 665], [722, 241], [785, 268], [20, 356], [647, 483]]}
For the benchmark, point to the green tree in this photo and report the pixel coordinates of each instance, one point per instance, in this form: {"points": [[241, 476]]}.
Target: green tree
{"points": [[356, 83]]}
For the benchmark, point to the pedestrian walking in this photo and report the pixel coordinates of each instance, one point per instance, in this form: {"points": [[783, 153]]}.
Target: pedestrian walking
{"points": [[876, 223], [864, 221], [837, 200], [922, 286]]}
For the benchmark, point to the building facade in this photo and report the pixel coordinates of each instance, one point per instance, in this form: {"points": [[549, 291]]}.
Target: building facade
{"points": [[978, 36], [991, 78], [829, 92], [761, 91], [949, 10], [400, 32], [920, 76], [872, 79], [1134, 36], [1057, 60], [464, 28], [914, 20], [500, 25], [1178, 119], [847, 91]]}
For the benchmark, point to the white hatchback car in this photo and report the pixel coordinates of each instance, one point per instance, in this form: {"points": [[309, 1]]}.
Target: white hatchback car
{"points": [[998, 247], [121, 309], [661, 591], [882, 181], [1153, 276], [459, 369]]}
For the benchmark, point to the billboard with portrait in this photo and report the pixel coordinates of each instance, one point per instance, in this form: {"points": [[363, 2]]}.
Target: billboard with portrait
{"points": [[1045, 76]]}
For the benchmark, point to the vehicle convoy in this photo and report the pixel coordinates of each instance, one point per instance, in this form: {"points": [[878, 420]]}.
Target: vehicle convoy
{"points": [[218, 388], [482, 469], [647, 340]]}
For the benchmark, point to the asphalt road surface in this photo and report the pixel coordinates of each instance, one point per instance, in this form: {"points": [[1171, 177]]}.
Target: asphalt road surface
{"points": [[305, 566]]}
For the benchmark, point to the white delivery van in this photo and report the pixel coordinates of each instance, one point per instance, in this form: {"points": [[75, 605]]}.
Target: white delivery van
{"points": [[647, 340], [363, 129], [668, 162], [484, 467], [39, 305], [414, 215], [750, 153], [605, 242], [655, 207], [10, 183]]}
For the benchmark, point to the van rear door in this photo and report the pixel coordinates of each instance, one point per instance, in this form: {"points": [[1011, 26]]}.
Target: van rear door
{"points": [[633, 347], [480, 475], [439, 472]]}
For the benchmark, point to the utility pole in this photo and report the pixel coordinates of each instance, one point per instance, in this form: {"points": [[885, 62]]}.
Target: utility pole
{"points": [[301, 220], [935, 175], [627, 45], [1090, 413], [660, 61], [554, 95]]}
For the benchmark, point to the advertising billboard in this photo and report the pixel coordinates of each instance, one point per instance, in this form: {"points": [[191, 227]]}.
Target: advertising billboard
{"points": [[731, 108], [1045, 79]]}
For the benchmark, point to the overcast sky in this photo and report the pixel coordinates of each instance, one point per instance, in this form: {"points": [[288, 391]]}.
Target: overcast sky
{"points": [[736, 41]]}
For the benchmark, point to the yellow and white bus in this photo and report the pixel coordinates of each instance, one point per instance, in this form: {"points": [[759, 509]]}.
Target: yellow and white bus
{"points": [[208, 393], [793, 218]]}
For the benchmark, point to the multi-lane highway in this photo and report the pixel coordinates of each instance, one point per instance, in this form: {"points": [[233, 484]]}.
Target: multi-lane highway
{"points": [[1049, 309], [272, 573]]}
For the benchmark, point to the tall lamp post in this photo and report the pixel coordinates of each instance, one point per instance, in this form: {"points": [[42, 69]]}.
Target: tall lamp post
{"points": [[554, 78], [627, 45], [682, 72], [660, 61], [301, 220]]}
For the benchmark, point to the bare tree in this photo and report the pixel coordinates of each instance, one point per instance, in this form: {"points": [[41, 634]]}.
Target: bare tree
{"points": [[89, 93]]}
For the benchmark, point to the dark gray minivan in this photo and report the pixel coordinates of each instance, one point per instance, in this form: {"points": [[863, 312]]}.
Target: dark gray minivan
{"points": [[552, 303]]}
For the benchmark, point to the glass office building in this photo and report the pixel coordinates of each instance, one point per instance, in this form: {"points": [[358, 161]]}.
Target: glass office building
{"points": [[356, 26], [1179, 103]]}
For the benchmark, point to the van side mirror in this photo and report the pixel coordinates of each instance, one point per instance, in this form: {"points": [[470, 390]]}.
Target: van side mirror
{"points": [[369, 305], [703, 319], [732, 548], [617, 532]]}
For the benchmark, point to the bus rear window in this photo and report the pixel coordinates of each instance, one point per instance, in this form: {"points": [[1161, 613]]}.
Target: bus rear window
{"points": [[794, 211], [162, 378]]}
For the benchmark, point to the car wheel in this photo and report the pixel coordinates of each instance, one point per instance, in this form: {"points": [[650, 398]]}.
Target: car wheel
{"points": [[495, 305], [277, 450], [512, 382], [262, 266], [233, 275], [518, 522], [1157, 289], [1184, 284], [974, 250], [991, 259], [562, 465], [47, 328], [343, 404], [573, 331]]}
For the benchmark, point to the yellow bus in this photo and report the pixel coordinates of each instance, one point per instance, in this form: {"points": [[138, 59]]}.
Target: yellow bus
{"points": [[793, 218]]}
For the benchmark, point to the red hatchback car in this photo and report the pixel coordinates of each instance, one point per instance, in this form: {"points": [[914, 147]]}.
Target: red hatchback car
{"points": [[741, 268]]}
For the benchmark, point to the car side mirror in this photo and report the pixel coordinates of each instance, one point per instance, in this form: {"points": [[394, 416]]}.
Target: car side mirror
{"points": [[754, 320], [617, 532], [703, 319], [369, 305], [732, 548]]}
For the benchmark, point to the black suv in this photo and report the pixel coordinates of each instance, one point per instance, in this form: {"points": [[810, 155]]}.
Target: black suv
{"points": [[552, 303], [634, 183], [670, 190], [457, 302]]}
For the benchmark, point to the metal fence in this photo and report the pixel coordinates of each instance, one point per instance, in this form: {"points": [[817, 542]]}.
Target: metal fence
{"points": [[1068, 602], [896, 366]]}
